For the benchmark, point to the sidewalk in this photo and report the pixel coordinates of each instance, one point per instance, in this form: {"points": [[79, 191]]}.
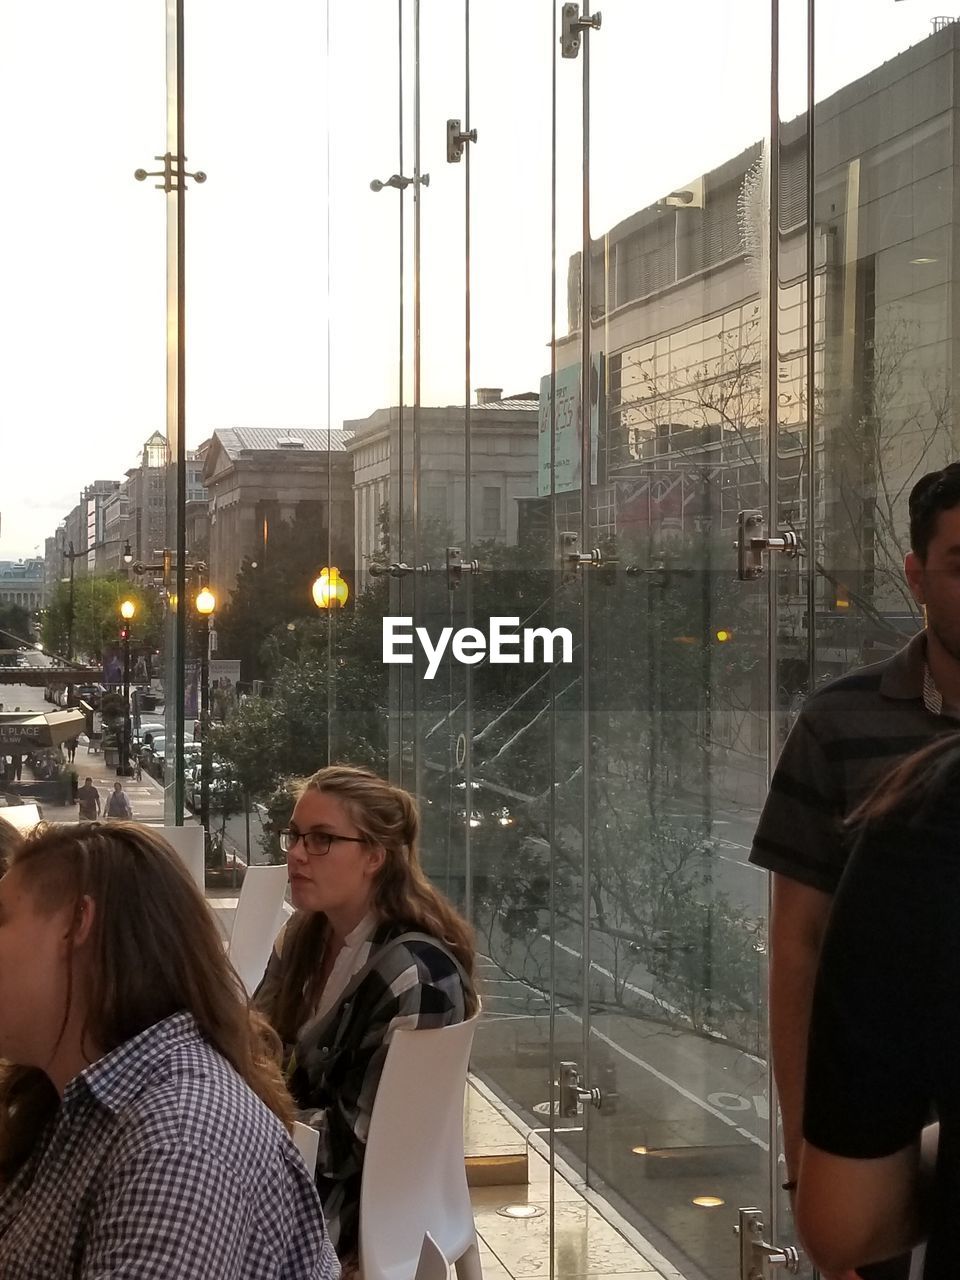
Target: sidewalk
{"points": [[146, 796]]}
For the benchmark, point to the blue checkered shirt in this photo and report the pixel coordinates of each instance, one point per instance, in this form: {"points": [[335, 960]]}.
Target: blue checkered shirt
{"points": [[162, 1163]]}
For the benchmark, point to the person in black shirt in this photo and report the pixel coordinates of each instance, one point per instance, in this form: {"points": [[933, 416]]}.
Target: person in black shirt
{"points": [[884, 1051]]}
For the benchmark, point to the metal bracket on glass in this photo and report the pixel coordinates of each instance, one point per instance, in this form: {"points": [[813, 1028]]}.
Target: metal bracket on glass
{"points": [[456, 567], [573, 27], [751, 544], [396, 570], [572, 558], [757, 1258], [457, 141], [401, 184], [171, 173], [571, 1092]]}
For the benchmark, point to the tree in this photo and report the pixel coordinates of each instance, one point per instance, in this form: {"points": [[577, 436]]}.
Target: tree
{"points": [[272, 591], [96, 615], [15, 626]]}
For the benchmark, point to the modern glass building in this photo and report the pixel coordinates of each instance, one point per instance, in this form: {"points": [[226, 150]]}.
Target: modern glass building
{"points": [[513, 312]]}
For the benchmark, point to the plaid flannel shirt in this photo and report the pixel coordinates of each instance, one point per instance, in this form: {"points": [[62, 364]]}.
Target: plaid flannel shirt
{"points": [[335, 1066], [162, 1163]]}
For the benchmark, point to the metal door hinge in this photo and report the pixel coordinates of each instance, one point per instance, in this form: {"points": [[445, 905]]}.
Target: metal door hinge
{"points": [[457, 140], [571, 1092], [757, 1258], [573, 27], [751, 543], [456, 567]]}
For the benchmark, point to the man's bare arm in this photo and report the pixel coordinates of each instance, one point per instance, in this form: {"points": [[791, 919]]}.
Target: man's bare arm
{"points": [[797, 925]]}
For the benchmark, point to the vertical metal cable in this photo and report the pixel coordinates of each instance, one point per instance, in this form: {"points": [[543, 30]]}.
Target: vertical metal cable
{"points": [[398, 515], [773, 279], [810, 533], [467, 486], [395, 517], [415, 487], [585, 477], [554, 617], [331, 612], [180, 643]]}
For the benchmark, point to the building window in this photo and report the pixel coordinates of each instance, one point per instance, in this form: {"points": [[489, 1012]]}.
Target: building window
{"points": [[490, 513]]}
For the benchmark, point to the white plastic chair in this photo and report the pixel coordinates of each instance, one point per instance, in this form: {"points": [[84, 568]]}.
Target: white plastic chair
{"points": [[255, 924], [23, 816], [414, 1173], [432, 1265], [307, 1142], [188, 843]]}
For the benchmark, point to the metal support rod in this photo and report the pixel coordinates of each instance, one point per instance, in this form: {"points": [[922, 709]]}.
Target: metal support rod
{"points": [[123, 765], [205, 733], [773, 282], [417, 390], [585, 477], [181, 438], [468, 487], [71, 604]]}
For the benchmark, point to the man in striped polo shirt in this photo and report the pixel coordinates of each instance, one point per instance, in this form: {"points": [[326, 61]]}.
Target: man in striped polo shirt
{"points": [[848, 735]]}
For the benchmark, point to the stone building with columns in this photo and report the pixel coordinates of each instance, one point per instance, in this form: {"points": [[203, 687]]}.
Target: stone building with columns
{"points": [[257, 477]]}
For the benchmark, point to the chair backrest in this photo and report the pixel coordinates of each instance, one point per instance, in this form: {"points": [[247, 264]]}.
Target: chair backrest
{"points": [[256, 922], [414, 1175], [432, 1265], [188, 843], [307, 1142], [23, 816]]}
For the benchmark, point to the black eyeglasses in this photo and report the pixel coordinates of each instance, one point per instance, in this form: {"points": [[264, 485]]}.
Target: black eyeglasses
{"points": [[316, 844]]}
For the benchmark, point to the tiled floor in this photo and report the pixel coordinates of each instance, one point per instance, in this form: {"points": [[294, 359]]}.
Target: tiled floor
{"points": [[586, 1244]]}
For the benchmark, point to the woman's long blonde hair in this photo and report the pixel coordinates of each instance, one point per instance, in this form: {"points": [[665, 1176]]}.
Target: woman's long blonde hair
{"points": [[387, 816], [155, 951]]}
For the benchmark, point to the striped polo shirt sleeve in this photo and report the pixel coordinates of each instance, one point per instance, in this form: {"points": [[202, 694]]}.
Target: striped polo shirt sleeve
{"points": [[801, 833]]}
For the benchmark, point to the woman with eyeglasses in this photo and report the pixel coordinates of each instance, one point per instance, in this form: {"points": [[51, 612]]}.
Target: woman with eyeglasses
{"points": [[372, 946]]}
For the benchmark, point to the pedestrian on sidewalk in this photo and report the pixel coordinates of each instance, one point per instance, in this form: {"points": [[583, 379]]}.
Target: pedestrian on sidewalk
{"points": [[88, 798], [72, 745], [16, 761], [118, 805]]}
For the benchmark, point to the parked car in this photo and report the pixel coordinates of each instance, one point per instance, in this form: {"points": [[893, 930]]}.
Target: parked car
{"points": [[223, 788]]}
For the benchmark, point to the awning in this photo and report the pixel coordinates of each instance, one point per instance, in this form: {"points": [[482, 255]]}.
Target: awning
{"points": [[25, 732]]}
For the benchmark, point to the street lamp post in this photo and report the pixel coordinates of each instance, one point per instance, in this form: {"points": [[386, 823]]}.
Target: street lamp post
{"points": [[206, 603], [127, 611]]}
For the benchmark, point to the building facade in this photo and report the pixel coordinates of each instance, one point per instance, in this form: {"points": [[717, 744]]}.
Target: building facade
{"points": [[503, 467], [259, 477]]}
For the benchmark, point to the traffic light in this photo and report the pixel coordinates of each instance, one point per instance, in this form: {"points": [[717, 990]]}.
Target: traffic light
{"points": [[723, 635], [124, 633]]}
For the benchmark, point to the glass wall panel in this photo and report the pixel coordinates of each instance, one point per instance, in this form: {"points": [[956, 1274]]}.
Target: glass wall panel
{"points": [[678, 672], [885, 213], [82, 399]]}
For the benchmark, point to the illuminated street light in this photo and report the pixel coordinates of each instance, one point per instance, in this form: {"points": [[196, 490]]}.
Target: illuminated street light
{"points": [[329, 590]]}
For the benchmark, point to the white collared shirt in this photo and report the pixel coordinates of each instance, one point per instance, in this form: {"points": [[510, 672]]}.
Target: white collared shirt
{"points": [[352, 957]]}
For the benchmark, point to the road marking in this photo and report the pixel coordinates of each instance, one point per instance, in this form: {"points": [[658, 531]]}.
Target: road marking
{"points": [[652, 1070]]}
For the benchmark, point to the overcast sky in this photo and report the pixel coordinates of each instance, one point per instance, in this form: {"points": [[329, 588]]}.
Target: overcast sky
{"points": [[275, 101]]}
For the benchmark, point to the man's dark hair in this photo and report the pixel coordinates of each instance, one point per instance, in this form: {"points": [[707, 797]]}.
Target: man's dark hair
{"points": [[935, 492]]}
